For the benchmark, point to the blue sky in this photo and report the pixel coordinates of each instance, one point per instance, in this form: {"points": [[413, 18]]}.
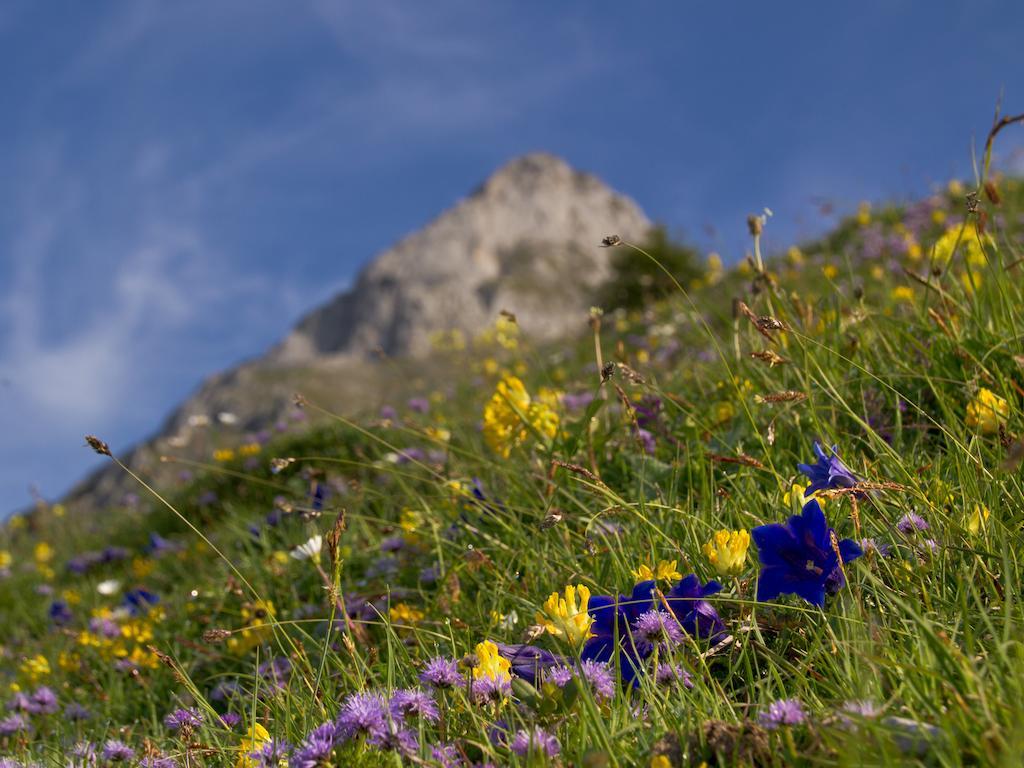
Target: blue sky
{"points": [[179, 182]]}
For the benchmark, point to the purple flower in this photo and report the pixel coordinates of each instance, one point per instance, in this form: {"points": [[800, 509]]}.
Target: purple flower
{"points": [[74, 711], [13, 724], [43, 701], [441, 673], [20, 702], [910, 523], [646, 440], [657, 628], [388, 413], [271, 753], [537, 740], [599, 676], [230, 719], [395, 739], [105, 628], [115, 751], [418, 405], [670, 675], [447, 755], [800, 558], [276, 672], [487, 689], [183, 718], [577, 402], [317, 747], [85, 752], [161, 761], [392, 543], [870, 545], [827, 472], [559, 676], [362, 714], [409, 702], [782, 712]]}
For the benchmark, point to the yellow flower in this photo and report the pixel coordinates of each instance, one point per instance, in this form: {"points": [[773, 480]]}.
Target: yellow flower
{"points": [[410, 520], [796, 491], [401, 613], [510, 410], [249, 449], [903, 293], [864, 214], [987, 411], [830, 271], [43, 553], [939, 216], [794, 256], [142, 567], [727, 551], [913, 247], [664, 571], [506, 332], [439, 434], [660, 761], [35, 668], [955, 188], [223, 454], [977, 520], [252, 742], [969, 245], [59, 510], [971, 281], [567, 616], [489, 663], [5, 559], [490, 366]]}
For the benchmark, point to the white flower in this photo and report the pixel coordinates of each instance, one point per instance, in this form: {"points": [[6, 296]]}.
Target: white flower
{"points": [[108, 587], [310, 550]]}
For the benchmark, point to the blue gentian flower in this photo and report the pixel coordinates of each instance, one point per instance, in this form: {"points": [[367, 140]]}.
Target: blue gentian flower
{"points": [[696, 615], [827, 472], [799, 557], [528, 661], [139, 601]]}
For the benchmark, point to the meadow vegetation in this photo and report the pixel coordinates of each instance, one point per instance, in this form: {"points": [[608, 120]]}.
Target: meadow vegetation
{"points": [[766, 514]]}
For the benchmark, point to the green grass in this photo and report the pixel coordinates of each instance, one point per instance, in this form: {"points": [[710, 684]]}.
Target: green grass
{"points": [[931, 637]]}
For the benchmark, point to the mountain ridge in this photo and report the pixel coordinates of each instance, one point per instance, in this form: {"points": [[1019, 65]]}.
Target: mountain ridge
{"points": [[526, 241]]}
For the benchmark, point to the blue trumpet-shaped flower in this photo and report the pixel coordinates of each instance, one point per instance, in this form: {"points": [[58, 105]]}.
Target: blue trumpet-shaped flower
{"points": [[803, 557], [827, 472]]}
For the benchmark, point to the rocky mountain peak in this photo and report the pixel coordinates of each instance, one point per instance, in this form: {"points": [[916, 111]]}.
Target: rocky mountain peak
{"points": [[529, 232]]}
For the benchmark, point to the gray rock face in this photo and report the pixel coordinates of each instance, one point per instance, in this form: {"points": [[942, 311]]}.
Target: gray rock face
{"points": [[527, 241]]}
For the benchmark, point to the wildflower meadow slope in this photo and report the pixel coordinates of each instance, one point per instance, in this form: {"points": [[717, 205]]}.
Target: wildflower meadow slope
{"points": [[772, 519]]}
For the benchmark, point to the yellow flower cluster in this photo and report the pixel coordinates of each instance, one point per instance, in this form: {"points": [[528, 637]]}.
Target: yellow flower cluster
{"points": [[727, 551], [402, 613], [987, 411], [969, 245], [491, 664], [665, 570], [567, 616], [511, 412], [252, 742]]}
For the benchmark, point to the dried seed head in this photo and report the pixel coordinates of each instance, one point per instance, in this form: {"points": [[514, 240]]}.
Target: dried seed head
{"points": [[533, 632], [611, 241], [755, 224], [787, 396], [992, 192], [98, 445], [769, 356], [551, 519], [216, 635], [277, 465], [300, 400]]}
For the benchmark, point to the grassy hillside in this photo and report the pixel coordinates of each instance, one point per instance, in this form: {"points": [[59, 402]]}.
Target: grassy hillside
{"points": [[516, 566]]}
